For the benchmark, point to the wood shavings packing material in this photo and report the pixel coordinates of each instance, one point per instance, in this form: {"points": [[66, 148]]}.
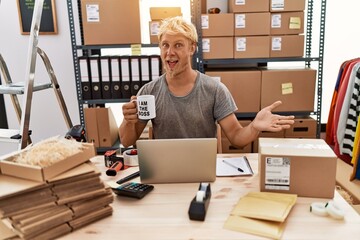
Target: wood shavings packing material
{"points": [[49, 151]]}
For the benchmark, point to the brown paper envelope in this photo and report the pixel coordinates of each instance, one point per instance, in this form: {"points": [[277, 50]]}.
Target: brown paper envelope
{"points": [[264, 228]]}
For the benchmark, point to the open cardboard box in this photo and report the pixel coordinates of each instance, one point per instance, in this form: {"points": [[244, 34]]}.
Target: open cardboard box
{"points": [[41, 174]]}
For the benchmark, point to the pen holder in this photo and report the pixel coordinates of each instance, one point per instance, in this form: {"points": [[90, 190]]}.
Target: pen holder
{"points": [[200, 203]]}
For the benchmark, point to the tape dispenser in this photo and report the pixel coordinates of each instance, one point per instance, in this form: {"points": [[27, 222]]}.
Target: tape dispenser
{"points": [[200, 203]]}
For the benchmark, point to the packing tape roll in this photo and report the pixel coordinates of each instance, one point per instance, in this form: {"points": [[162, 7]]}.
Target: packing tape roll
{"points": [[318, 208], [200, 195], [334, 211], [130, 160]]}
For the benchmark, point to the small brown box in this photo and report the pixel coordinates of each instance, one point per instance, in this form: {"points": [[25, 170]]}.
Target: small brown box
{"points": [[287, 23], [42, 174], [251, 47], [217, 25], [287, 46], [294, 87], [249, 6], [159, 13], [218, 47], [302, 128], [287, 6], [227, 147], [252, 24], [244, 86], [306, 167], [111, 22]]}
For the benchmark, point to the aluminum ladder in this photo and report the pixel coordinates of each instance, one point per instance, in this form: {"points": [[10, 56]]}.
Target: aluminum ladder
{"points": [[22, 135]]}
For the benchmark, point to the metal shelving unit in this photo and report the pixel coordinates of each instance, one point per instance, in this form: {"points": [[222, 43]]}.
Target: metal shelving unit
{"points": [[200, 63], [308, 58]]}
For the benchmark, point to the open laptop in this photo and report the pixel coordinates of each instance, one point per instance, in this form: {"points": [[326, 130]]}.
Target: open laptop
{"points": [[177, 160]]}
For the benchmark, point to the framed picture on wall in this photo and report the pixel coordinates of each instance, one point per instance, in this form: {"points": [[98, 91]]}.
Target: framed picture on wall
{"points": [[48, 24]]}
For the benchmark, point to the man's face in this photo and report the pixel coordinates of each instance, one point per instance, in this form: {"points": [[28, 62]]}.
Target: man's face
{"points": [[176, 53]]}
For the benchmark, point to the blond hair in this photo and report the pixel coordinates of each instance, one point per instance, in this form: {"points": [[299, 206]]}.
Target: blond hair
{"points": [[175, 25]]}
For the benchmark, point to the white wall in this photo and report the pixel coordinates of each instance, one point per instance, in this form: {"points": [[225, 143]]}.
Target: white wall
{"points": [[46, 119]]}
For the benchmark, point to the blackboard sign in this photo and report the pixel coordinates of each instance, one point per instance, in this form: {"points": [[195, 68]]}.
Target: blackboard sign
{"points": [[48, 23]]}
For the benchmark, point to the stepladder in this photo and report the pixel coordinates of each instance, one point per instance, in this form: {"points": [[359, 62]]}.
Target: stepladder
{"points": [[29, 86]]}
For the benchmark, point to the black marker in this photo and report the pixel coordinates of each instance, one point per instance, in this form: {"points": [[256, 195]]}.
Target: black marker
{"points": [[127, 178]]}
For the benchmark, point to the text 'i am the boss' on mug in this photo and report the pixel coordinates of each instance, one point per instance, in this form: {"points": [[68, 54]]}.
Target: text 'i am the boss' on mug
{"points": [[146, 107]]}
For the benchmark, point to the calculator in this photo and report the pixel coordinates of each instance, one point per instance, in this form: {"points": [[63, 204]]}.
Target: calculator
{"points": [[134, 190]]}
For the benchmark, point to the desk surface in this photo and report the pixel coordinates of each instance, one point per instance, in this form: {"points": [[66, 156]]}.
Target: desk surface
{"points": [[163, 214]]}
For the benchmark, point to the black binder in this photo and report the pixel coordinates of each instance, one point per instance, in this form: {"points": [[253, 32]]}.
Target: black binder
{"points": [[144, 70], [95, 77], [85, 77], [105, 77], [115, 77], [135, 73], [125, 76]]}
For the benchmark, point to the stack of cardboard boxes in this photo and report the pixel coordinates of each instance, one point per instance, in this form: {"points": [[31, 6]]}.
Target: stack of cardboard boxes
{"points": [[260, 29], [253, 29]]}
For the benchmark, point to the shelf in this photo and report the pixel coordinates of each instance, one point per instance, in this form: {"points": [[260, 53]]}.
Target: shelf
{"points": [[92, 47], [103, 101], [259, 60]]}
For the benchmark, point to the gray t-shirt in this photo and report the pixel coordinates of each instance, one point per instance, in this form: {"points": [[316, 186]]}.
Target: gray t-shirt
{"points": [[191, 116]]}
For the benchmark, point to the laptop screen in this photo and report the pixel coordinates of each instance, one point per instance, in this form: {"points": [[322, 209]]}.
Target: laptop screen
{"points": [[177, 160]]}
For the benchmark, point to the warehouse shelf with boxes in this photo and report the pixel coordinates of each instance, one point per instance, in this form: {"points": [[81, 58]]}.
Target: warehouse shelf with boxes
{"points": [[262, 50]]}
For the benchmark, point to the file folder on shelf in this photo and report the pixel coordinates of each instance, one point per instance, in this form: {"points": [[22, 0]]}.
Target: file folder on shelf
{"points": [[135, 81], [115, 77], [144, 69], [125, 77], [85, 78], [95, 78], [155, 69], [105, 77]]}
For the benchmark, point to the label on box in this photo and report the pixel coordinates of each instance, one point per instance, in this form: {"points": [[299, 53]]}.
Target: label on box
{"points": [[276, 21], [295, 23], [277, 173], [154, 28], [286, 88], [206, 45], [204, 22], [277, 5], [276, 44], [241, 44], [240, 2], [92, 13], [240, 21]]}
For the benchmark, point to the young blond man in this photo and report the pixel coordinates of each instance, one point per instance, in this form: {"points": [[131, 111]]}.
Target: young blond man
{"points": [[189, 104]]}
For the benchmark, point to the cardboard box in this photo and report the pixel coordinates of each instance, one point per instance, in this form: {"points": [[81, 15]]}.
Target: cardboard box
{"points": [[287, 5], [265, 134], [218, 47], [217, 25], [101, 127], [244, 86], [252, 47], [287, 46], [287, 23], [306, 167], [249, 6], [302, 128], [294, 87], [227, 147], [221, 4], [252, 24], [110, 22], [159, 13], [41, 174]]}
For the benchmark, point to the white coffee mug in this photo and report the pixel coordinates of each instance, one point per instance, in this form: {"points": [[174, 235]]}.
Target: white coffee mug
{"points": [[146, 107]]}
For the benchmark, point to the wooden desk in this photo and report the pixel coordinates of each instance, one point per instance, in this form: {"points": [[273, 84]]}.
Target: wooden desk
{"points": [[163, 214]]}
